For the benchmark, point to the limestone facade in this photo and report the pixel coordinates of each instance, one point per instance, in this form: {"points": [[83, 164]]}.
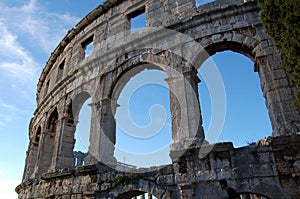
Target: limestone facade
{"points": [[177, 39]]}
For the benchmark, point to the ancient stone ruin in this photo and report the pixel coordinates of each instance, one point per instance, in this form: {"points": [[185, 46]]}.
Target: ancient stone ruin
{"points": [[177, 39]]}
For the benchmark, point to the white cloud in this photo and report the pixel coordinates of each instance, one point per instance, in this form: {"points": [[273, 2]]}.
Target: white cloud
{"points": [[27, 33], [18, 74], [7, 106], [45, 28], [15, 62]]}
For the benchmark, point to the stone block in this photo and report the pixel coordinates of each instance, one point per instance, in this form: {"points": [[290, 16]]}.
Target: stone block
{"points": [[165, 180], [220, 24]]}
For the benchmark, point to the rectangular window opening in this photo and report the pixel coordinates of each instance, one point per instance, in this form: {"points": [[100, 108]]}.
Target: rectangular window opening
{"points": [[87, 45], [60, 71], [202, 2], [137, 20]]}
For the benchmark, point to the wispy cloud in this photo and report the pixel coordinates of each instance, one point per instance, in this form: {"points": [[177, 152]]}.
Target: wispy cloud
{"points": [[7, 106], [28, 33], [45, 28], [6, 118], [15, 61]]}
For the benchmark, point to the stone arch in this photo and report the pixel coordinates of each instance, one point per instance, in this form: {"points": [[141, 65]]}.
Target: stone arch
{"points": [[242, 101], [233, 46], [253, 194], [51, 125], [130, 68], [47, 143], [37, 135], [134, 188], [244, 41], [245, 44], [135, 62], [150, 129], [77, 102], [265, 189], [32, 156], [180, 74], [130, 72], [274, 81], [130, 194], [243, 187]]}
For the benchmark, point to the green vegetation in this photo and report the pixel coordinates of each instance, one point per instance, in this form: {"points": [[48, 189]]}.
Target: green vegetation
{"points": [[281, 19], [120, 178]]}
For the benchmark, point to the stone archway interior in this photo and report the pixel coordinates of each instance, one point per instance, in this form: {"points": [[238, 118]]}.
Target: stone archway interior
{"points": [[247, 118], [143, 123]]}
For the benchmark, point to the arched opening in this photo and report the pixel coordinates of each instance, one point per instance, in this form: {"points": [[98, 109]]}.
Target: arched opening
{"points": [[81, 132], [247, 117], [253, 196], [130, 195], [52, 123], [48, 141], [38, 136], [143, 122], [137, 190], [33, 154], [135, 195]]}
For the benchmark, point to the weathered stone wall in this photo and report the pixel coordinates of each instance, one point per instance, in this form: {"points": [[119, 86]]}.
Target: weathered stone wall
{"points": [[180, 39], [269, 168]]}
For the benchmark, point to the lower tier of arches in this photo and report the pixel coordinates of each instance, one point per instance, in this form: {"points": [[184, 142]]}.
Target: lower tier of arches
{"points": [[269, 168]]}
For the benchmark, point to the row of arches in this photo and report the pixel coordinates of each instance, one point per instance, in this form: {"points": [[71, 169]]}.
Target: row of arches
{"points": [[63, 121], [147, 88], [149, 190]]}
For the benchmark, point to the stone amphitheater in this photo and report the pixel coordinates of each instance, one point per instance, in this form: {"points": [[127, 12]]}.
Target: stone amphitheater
{"points": [[179, 36]]}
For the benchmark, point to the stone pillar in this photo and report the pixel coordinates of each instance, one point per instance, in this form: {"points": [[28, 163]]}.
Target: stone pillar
{"points": [[64, 145], [31, 159], [45, 153], [103, 134], [185, 110], [47, 144], [77, 55], [39, 164], [280, 95]]}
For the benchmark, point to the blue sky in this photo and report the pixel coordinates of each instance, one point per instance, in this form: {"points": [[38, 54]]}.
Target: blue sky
{"points": [[30, 31]]}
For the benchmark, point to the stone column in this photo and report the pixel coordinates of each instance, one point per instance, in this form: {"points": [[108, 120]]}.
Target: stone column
{"points": [[47, 143], [185, 110], [45, 153], [280, 95], [64, 145], [31, 158], [103, 134], [77, 55], [39, 163]]}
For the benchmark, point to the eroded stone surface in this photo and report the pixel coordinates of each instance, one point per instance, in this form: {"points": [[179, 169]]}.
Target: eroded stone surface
{"points": [[180, 39]]}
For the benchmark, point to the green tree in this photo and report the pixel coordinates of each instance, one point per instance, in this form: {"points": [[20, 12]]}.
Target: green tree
{"points": [[281, 19]]}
